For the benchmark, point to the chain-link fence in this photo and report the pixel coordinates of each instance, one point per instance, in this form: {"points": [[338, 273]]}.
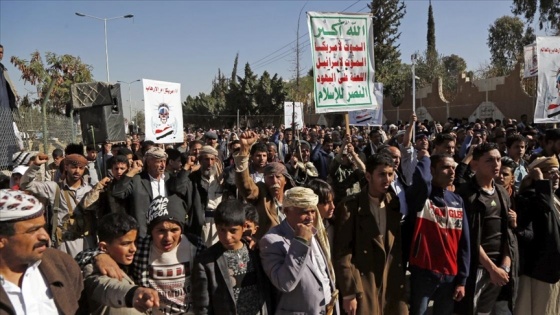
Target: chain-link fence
{"points": [[37, 132]]}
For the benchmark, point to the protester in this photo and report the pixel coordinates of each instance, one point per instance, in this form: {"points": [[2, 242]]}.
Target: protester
{"points": [[34, 278]]}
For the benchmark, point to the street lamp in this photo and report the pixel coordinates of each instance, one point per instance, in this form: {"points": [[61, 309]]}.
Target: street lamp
{"points": [[128, 16], [129, 95], [413, 58]]}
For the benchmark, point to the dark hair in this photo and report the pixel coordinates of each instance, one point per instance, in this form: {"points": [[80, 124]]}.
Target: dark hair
{"points": [[184, 157], [481, 149], [327, 139], [172, 154], [118, 159], [258, 147], [124, 151], [115, 225], [56, 153], [441, 138], [436, 158], [91, 147], [515, 138], [230, 213], [508, 162], [7, 228], [321, 189], [251, 213], [378, 159], [192, 143]]}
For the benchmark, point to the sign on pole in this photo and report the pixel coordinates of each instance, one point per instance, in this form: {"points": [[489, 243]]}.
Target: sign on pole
{"points": [[547, 108], [343, 68], [289, 111], [369, 117], [163, 111], [530, 58]]}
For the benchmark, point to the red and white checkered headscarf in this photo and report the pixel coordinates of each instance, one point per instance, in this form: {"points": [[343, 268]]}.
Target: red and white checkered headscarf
{"points": [[17, 206]]}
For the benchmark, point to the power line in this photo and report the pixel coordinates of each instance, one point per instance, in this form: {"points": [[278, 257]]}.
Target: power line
{"points": [[270, 58]]}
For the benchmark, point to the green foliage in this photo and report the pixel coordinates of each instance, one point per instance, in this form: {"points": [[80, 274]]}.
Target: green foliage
{"points": [[261, 99], [387, 15], [448, 68], [64, 69], [548, 15], [506, 39], [431, 37]]}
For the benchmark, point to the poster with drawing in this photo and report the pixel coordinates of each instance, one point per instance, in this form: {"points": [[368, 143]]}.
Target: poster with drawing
{"points": [[369, 117], [547, 108], [163, 111]]}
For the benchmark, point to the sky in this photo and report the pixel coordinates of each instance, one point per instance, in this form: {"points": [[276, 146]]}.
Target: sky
{"points": [[188, 41]]}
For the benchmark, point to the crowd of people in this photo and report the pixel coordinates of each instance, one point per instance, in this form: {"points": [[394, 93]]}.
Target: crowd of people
{"points": [[460, 218]]}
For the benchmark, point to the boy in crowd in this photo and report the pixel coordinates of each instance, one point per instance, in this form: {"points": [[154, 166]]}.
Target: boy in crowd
{"points": [[104, 295], [251, 225], [228, 277]]}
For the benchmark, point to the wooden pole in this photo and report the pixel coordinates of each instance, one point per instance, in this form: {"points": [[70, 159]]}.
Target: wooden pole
{"points": [[347, 122]]}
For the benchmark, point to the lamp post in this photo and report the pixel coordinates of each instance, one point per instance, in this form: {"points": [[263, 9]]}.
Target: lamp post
{"points": [[413, 59], [128, 16], [129, 95]]}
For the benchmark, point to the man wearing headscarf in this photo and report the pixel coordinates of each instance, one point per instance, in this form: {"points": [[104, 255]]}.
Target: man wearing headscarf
{"points": [[34, 279], [207, 182], [146, 181], [266, 196], [71, 223], [296, 260]]}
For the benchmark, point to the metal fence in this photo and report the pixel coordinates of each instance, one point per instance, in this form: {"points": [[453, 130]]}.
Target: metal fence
{"points": [[37, 132]]}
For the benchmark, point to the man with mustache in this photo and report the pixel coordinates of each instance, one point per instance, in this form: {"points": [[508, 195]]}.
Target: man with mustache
{"points": [[141, 186], [295, 259], [266, 196], [71, 222], [34, 279], [207, 182]]}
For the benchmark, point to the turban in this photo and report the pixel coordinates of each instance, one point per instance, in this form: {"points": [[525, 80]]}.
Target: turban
{"points": [[274, 168], [15, 205], [208, 150], [544, 163], [75, 160], [156, 153], [300, 197]]}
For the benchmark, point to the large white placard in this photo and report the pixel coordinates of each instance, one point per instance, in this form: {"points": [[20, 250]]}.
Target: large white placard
{"points": [[547, 108], [530, 58], [289, 111], [163, 111], [343, 69]]}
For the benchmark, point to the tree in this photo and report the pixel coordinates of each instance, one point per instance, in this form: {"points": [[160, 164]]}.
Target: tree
{"points": [[453, 66], [64, 69], [506, 40], [387, 15], [431, 37], [549, 12]]}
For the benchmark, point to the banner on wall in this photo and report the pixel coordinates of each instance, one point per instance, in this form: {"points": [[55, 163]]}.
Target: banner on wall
{"points": [[163, 111]]}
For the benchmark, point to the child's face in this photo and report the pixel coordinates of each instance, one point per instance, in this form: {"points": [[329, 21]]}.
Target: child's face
{"points": [[230, 236], [250, 226], [121, 249]]}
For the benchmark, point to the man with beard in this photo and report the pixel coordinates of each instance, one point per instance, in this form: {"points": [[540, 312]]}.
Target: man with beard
{"points": [[34, 279], [322, 158], [140, 187], [266, 196], [300, 167], [71, 222], [207, 181], [259, 159]]}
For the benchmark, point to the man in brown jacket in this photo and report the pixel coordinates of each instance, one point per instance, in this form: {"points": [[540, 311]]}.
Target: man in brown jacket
{"points": [[266, 197], [34, 279], [367, 249]]}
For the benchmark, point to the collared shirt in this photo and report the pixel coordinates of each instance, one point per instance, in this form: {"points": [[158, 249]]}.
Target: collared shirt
{"points": [[318, 260], [34, 296], [158, 186]]}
